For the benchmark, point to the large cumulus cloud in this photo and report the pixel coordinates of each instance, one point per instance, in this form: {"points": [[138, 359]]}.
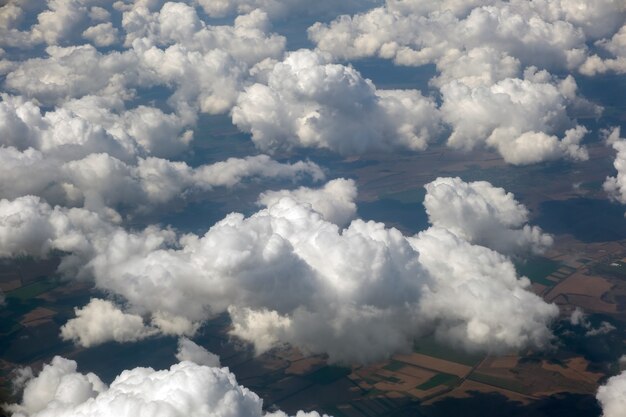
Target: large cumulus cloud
{"points": [[542, 33], [492, 58], [288, 274], [309, 102], [525, 120], [483, 214], [186, 389]]}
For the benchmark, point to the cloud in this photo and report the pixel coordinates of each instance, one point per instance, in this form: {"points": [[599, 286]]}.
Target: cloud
{"points": [[208, 65], [479, 305], [73, 72], [308, 102], [107, 182], [616, 186], [102, 34], [578, 318], [545, 34], [101, 183], [612, 396], [25, 227], [288, 274], [282, 9], [205, 66], [61, 20], [11, 16], [520, 118], [492, 58], [335, 201], [30, 226], [191, 352], [54, 22], [185, 389], [78, 153], [101, 321], [616, 59], [59, 386], [93, 152], [92, 124], [483, 214]]}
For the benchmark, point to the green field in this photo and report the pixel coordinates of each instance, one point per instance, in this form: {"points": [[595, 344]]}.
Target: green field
{"points": [[328, 374], [537, 269], [394, 366], [616, 268], [30, 291], [430, 347], [439, 379]]}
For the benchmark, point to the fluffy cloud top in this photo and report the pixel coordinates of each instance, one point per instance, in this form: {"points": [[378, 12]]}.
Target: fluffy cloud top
{"points": [[547, 34], [191, 352], [615, 46], [308, 102], [92, 152], [288, 274], [103, 183], [483, 214], [520, 118], [335, 201], [89, 125], [101, 321], [480, 49], [57, 21], [612, 396], [487, 102], [616, 186], [186, 389], [206, 66]]}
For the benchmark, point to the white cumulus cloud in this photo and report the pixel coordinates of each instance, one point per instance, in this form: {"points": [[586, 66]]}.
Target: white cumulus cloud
{"points": [[288, 274], [185, 389], [101, 321], [612, 396], [483, 214], [309, 102], [191, 352], [616, 186]]}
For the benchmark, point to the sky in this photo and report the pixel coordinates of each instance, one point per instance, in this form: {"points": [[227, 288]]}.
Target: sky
{"points": [[101, 105]]}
